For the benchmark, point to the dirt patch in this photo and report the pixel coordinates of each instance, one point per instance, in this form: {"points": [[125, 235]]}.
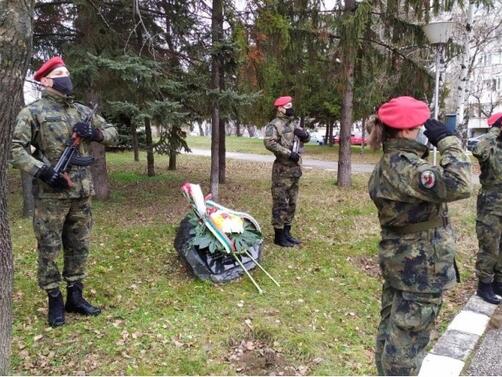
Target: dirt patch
{"points": [[368, 265], [259, 358]]}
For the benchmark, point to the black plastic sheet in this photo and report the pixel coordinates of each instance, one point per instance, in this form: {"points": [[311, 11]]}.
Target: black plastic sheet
{"points": [[218, 267]]}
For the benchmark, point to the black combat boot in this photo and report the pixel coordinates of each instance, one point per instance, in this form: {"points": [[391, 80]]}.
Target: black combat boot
{"points": [[280, 238], [497, 288], [75, 303], [485, 291], [289, 237], [56, 308]]}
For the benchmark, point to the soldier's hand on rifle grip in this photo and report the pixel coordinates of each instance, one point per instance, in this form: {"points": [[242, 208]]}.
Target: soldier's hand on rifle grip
{"points": [[294, 157], [52, 178], [87, 132], [301, 133]]}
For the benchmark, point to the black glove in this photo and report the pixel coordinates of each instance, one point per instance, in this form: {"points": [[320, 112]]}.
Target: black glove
{"points": [[53, 179], [87, 132], [301, 133], [294, 157], [435, 131]]}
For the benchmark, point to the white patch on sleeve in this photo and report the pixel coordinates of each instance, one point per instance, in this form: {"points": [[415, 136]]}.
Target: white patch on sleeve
{"points": [[428, 179]]}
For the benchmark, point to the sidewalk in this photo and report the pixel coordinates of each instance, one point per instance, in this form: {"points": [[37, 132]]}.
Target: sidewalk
{"points": [[317, 164], [487, 359], [307, 163]]}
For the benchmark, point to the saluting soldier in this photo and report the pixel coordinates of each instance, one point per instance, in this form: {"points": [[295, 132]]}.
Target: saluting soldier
{"points": [[284, 138], [417, 248], [62, 217], [489, 212]]}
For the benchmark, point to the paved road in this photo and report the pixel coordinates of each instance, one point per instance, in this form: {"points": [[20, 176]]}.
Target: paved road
{"points": [[318, 164], [487, 360]]}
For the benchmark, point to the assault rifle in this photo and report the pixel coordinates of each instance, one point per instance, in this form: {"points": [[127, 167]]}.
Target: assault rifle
{"points": [[71, 155]]}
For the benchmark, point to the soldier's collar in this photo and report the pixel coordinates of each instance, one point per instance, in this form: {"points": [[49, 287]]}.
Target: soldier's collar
{"points": [[64, 100], [405, 145]]}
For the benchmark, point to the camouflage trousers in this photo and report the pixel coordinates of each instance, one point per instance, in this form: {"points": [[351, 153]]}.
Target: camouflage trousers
{"points": [[66, 224], [489, 259], [284, 194], [407, 319]]}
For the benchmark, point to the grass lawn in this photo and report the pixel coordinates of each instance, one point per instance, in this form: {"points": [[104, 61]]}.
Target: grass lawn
{"points": [[157, 319], [312, 151]]}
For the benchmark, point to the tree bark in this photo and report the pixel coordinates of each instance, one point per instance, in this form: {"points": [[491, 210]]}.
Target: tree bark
{"points": [[15, 50], [99, 172], [238, 128], [344, 178], [217, 35], [149, 148], [134, 139], [172, 160], [201, 129], [28, 202], [221, 144], [363, 135]]}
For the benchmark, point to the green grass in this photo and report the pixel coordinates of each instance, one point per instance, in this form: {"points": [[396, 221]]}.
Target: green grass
{"points": [[312, 151], [157, 319]]}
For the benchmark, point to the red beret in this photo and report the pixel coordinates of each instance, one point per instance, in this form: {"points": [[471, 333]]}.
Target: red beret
{"points": [[493, 119], [404, 112], [281, 101], [48, 66]]}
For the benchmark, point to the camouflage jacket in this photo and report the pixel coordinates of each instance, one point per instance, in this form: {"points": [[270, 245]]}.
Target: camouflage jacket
{"points": [[489, 154], [407, 189], [279, 139], [46, 125]]}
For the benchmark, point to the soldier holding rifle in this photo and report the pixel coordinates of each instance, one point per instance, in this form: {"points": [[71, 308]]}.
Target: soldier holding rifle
{"points": [[283, 137], [62, 217]]}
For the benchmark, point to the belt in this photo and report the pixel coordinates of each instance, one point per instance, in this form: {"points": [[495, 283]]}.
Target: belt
{"points": [[418, 227]]}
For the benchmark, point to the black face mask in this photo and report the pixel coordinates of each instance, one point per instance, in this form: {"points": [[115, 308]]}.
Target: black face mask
{"points": [[289, 112], [63, 85]]}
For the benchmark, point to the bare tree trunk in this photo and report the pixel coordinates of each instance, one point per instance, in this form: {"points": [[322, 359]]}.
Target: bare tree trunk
{"points": [[216, 71], [149, 148], [15, 50], [326, 134], [344, 178], [251, 131], [134, 139], [172, 160], [463, 87], [363, 135], [99, 172], [201, 129], [28, 202], [98, 168], [238, 128], [222, 146], [330, 134]]}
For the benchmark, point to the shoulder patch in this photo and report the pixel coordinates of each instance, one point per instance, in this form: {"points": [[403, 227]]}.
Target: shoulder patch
{"points": [[269, 130], [427, 179]]}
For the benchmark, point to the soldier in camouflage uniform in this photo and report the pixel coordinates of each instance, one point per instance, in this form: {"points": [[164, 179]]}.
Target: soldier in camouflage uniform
{"points": [[280, 137], [417, 249], [62, 217], [489, 208]]}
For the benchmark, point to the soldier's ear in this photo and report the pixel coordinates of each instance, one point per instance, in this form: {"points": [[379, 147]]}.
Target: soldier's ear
{"points": [[45, 81]]}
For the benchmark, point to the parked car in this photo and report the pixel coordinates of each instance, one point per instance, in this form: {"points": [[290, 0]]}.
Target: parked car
{"points": [[472, 142], [354, 139]]}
